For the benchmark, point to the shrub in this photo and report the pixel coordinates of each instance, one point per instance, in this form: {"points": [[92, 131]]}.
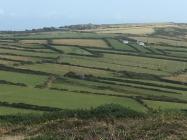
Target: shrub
{"points": [[101, 112]]}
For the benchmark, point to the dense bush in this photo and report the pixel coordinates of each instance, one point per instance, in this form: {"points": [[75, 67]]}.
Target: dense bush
{"points": [[114, 110]]}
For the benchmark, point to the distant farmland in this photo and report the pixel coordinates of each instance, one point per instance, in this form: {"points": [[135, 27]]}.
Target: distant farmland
{"points": [[81, 70], [81, 42]]}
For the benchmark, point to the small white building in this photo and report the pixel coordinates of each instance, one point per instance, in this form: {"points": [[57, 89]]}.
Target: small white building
{"points": [[125, 41], [141, 43]]}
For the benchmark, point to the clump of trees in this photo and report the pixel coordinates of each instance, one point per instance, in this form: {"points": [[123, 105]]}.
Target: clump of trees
{"points": [[80, 27]]}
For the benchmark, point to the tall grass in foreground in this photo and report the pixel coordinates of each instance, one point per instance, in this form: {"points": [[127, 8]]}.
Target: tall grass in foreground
{"points": [[107, 122], [101, 112]]}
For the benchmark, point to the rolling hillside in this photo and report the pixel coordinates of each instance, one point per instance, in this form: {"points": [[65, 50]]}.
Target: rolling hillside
{"points": [[44, 72]]}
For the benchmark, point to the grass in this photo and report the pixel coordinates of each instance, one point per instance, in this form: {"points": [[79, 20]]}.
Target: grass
{"points": [[116, 44], [15, 111], [124, 29], [33, 42], [19, 58], [128, 63], [55, 34], [145, 64], [28, 53], [132, 74], [178, 77], [54, 126], [161, 41], [71, 49], [61, 99], [31, 46], [171, 48], [157, 105], [6, 62], [61, 69], [81, 42], [28, 79], [116, 88]]}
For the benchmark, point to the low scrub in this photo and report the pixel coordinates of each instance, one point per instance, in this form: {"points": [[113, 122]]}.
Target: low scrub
{"points": [[153, 126], [101, 112]]}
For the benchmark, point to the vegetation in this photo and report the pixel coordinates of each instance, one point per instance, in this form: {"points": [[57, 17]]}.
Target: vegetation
{"points": [[87, 82], [107, 122]]}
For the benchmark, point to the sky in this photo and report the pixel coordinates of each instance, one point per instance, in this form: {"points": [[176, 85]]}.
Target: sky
{"points": [[28, 14]]}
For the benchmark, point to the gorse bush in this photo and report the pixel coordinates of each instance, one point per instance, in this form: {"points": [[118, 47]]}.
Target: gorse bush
{"points": [[114, 110]]}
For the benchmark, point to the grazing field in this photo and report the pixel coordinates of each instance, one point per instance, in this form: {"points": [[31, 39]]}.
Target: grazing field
{"points": [[179, 77], [81, 42], [133, 29], [57, 99], [100, 68], [27, 79], [119, 45], [165, 105], [127, 30], [60, 69], [161, 41], [73, 50], [33, 42], [43, 73], [15, 111], [52, 35]]}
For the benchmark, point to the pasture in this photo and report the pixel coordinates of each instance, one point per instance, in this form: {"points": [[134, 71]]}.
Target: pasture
{"points": [[81, 42], [45, 71]]}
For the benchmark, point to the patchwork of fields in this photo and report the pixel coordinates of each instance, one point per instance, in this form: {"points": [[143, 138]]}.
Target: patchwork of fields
{"points": [[50, 71]]}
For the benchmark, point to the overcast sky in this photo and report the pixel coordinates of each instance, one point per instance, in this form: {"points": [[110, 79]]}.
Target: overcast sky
{"points": [[27, 14]]}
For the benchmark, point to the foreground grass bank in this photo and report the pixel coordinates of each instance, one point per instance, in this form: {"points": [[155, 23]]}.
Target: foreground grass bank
{"points": [[110, 121]]}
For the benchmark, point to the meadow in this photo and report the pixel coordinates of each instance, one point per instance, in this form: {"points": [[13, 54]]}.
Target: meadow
{"points": [[97, 66]]}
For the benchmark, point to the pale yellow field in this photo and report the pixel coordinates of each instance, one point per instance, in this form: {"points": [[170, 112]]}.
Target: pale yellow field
{"points": [[137, 29], [18, 57], [33, 41], [4, 62], [180, 78], [132, 30], [81, 42]]}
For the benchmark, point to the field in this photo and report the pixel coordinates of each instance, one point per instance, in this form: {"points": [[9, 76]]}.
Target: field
{"points": [[133, 29], [81, 42], [44, 72], [97, 66]]}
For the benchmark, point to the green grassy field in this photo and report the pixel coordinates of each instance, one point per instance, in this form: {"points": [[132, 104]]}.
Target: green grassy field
{"points": [[15, 111], [37, 71]]}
